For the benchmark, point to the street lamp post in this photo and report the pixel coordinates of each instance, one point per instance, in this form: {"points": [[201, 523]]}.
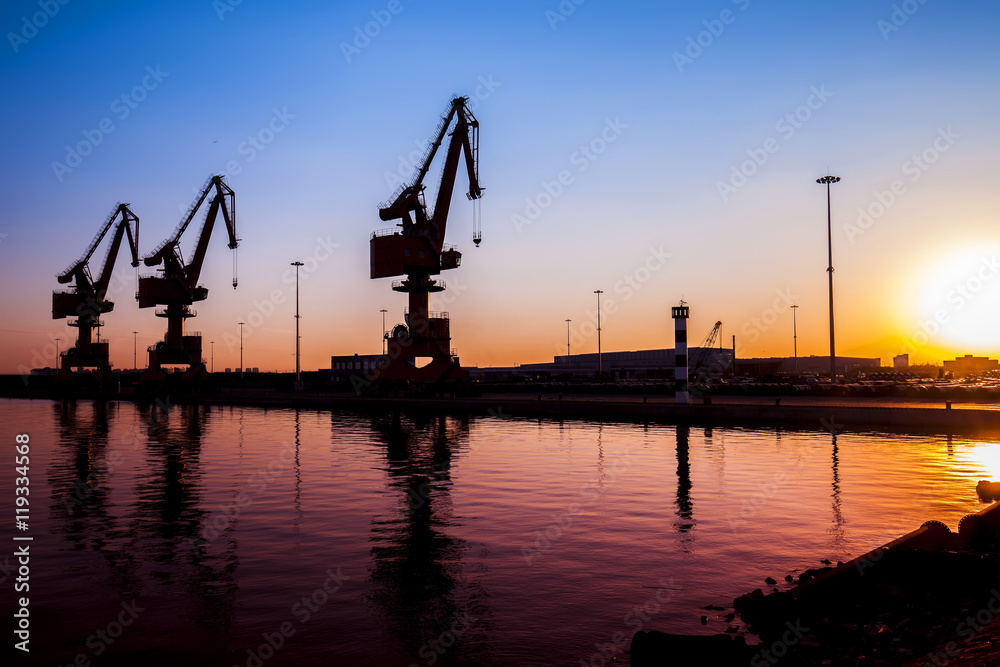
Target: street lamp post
{"points": [[828, 180], [57, 353], [212, 343], [298, 364], [241, 349], [135, 342], [567, 338], [600, 365], [383, 311], [795, 341]]}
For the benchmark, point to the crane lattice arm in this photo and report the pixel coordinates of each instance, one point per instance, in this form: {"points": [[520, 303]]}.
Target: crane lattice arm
{"points": [[464, 140], [704, 353], [80, 269], [169, 252]]}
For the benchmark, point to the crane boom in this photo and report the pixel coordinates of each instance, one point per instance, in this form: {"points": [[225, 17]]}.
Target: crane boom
{"points": [[87, 300], [704, 353], [81, 265], [169, 252], [418, 250], [177, 288]]}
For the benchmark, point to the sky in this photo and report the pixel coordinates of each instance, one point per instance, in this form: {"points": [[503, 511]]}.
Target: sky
{"points": [[654, 151]]}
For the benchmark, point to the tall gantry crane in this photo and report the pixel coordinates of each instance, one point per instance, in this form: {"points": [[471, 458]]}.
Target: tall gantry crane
{"points": [[705, 353], [415, 248], [177, 288], [87, 299]]}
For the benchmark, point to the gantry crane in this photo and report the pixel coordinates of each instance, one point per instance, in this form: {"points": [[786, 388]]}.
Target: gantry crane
{"points": [[415, 248], [177, 288], [87, 300], [705, 352]]}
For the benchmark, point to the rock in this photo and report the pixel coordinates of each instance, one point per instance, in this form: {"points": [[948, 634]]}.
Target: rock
{"points": [[770, 581], [660, 648], [704, 620], [988, 491], [789, 578]]}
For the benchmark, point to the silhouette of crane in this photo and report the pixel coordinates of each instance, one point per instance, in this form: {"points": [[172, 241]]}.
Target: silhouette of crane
{"points": [[415, 248], [87, 299], [178, 287], [705, 352]]}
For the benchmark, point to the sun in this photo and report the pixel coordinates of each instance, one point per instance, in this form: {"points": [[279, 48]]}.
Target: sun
{"points": [[957, 305]]}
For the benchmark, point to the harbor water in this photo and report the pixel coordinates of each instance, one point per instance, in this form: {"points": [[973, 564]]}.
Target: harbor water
{"points": [[170, 535]]}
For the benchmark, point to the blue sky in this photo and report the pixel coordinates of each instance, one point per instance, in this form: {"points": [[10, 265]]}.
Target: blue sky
{"points": [[309, 125]]}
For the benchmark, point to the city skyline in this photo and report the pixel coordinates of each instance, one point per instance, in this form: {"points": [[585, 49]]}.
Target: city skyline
{"points": [[655, 153]]}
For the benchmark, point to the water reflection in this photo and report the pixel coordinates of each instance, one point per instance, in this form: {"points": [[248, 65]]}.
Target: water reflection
{"points": [[417, 568], [156, 540], [838, 534], [685, 507]]}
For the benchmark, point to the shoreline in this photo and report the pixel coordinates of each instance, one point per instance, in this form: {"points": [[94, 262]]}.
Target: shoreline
{"points": [[829, 414]]}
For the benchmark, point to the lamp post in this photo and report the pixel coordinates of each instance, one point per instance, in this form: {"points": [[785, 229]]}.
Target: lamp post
{"points": [[298, 364], [567, 338], [135, 342], [827, 180], [57, 352], [241, 349], [212, 343], [795, 341], [600, 366], [383, 311]]}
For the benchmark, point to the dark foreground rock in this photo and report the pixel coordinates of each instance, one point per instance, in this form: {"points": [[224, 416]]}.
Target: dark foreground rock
{"points": [[926, 598]]}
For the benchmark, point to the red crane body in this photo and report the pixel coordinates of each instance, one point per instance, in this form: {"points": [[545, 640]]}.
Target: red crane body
{"points": [[87, 301], [178, 287], [416, 249]]}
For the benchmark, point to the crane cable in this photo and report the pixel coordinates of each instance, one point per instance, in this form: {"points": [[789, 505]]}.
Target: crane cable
{"points": [[477, 221]]}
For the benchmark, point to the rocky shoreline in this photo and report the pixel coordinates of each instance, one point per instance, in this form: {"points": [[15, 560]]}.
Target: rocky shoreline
{"points": [[930, 597]]}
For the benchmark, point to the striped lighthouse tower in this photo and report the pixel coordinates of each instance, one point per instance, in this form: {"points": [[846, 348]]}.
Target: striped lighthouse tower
{"points": [[680, 315]]}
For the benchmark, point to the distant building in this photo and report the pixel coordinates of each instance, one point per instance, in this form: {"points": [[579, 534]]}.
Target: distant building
{"points": [[347, 365], [901, 361], [970, 365], [810, 364], [633, 365]]}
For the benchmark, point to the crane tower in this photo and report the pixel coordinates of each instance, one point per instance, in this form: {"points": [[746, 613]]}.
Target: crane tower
{"points": [[177, 288], [87, 299], [415, 248]]}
